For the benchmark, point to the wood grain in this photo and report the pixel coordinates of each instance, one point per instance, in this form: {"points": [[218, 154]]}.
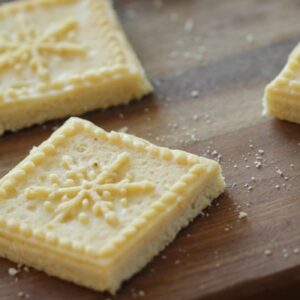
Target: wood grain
{"points": [[218, 256]]}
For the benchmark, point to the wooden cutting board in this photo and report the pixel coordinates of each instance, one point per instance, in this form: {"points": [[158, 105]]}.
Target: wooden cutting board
{"points": [[227, 51]]}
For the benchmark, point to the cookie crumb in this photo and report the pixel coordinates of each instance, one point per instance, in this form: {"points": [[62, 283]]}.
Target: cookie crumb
{"points": [[189, 25], [268, 252], [242, 215], [22, 295], [123, 129], [13, 271], [260, 151], [279, 172], [249, 38], [194, 94]]}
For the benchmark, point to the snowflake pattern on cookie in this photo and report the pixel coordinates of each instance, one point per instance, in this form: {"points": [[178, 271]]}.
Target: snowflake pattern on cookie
{"points": [[92, 188]]}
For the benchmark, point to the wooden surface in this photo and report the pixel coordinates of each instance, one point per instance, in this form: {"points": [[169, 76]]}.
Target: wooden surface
{"points": [[218, 256]]}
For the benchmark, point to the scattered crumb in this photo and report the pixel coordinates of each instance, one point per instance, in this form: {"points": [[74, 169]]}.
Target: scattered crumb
{"points": [[279, 172], [216, 156], [258, 164], [141, 293], [22, 295], [242, 215], [285, 253], [26, 269], [195, 117], [268, 252], [194, 94], [13, 271], [177, 262], [123, 129], [296, 250], [277, 186], [189, 25], [260, 151], [249, 38]]}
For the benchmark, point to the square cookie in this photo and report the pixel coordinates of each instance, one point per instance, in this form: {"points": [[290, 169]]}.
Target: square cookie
{"points": [[63, 57], [282, 95], [94, 207]]}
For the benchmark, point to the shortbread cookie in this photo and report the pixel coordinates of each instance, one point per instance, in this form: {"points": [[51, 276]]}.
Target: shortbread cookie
{"points": [[94, 207], [63, 57], [282, 95]]}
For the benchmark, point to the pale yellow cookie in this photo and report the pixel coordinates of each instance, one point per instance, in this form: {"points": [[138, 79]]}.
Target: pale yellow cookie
{"points": [[63, 57], [94, 207], [282, 95]]}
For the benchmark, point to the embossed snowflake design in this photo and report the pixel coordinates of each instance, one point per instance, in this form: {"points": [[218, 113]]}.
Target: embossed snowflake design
{"points": [[89, 189], [26, 45]]}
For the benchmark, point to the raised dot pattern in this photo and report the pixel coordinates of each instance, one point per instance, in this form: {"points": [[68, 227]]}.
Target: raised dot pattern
{"points": [[85, 188], [27, 46]]}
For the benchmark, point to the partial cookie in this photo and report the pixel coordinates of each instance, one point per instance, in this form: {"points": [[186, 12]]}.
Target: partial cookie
{"points": [[282, 95], [94, 207], [63, 57]]}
